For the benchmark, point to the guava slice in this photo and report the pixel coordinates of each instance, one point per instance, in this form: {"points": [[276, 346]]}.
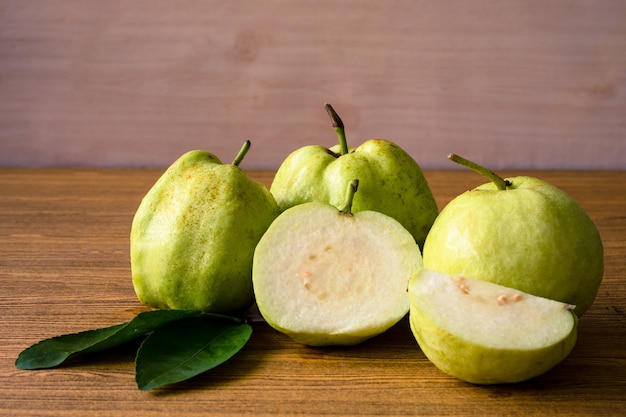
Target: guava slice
{"points": [[325, 277], [485, 333]]}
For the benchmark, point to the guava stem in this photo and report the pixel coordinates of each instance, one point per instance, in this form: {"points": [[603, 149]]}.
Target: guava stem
{"points": [[242, 153], [339, 128], [353, 186], [485, 172]]}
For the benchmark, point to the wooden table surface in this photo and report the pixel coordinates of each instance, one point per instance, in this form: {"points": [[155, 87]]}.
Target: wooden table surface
{"points": [[64, 267]]}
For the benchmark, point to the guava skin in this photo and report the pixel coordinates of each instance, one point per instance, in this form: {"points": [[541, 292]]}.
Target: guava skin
{"points": [[531, 236], [194, 233], [392, 182]]}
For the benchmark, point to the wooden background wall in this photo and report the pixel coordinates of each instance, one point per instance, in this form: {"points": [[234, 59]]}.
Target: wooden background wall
{"points": [[512, 84]]}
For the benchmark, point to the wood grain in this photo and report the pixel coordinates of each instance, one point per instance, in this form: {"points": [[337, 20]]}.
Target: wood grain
{"points": [[64, 267], [533, 84]]}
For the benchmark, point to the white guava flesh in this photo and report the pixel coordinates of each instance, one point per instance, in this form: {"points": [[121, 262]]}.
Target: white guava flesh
{"points": [[328, 278], [485, 333]]}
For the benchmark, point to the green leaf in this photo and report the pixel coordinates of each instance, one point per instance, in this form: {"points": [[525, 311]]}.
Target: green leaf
{"points": [[181, 350], [52, 352]]}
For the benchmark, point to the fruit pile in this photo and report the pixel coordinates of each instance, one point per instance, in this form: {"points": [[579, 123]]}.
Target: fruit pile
{"points": [[347, 241]]}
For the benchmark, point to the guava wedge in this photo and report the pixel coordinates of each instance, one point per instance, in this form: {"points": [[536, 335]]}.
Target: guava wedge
{"points": [[325, 276], [485, 333]]}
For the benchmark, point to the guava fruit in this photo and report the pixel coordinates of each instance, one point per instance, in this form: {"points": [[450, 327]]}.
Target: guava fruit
{"points": [[391, 180], [522, 233], [327, 276], [485, 333], [194, 234]]}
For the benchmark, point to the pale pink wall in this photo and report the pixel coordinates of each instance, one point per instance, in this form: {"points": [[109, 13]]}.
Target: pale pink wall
{"points": [[511, 84]]}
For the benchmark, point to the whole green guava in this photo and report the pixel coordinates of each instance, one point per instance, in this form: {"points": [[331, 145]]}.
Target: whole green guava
{"points": [[530, 236], [392, 181], [194, 234]]}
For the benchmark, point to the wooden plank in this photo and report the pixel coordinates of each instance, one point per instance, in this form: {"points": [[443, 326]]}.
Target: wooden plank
{"points": [[64, 268]]}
